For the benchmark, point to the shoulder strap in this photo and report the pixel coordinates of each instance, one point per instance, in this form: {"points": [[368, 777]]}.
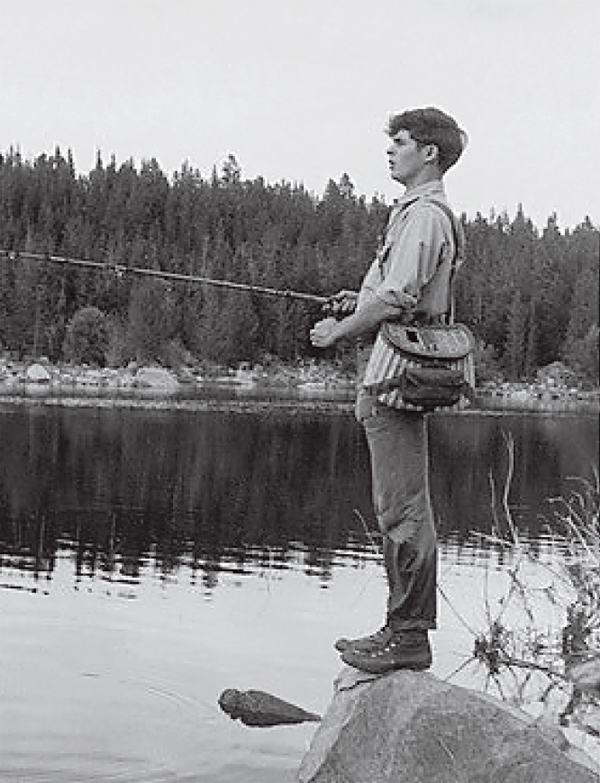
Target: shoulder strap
{"points": [[457, 234], [459, 247]]}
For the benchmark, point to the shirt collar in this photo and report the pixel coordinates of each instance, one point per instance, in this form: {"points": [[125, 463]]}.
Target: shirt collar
{"points": [[435, 188]]}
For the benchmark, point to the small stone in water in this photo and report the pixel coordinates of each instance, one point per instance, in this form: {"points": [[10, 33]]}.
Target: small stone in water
{"points": [[257, 708]]}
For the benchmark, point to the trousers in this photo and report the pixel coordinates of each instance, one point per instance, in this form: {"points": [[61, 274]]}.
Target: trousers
{"points": [[397, 442]]}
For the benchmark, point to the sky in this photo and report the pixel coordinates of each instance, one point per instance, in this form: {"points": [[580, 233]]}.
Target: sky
{"points": [[301, 90]]}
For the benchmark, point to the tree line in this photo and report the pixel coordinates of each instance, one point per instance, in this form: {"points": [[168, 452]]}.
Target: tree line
{"points": [[529, 295]]}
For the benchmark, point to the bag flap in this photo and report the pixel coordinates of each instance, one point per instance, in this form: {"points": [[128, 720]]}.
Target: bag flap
{"points": [[441, 341]]}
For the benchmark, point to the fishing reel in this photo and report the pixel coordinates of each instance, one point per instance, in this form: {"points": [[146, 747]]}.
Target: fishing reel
{"points": [[341, 304]]}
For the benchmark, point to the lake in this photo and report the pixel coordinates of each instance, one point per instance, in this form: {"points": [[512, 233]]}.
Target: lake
{"points": [[152, 556]]}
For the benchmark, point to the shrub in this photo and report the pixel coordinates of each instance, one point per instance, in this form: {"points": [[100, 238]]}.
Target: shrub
{"points": [[86, 338], [119, 351], [541, 645]]}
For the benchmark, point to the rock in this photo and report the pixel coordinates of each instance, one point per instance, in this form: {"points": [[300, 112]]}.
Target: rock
{"points": [[557, 373], [37, 373], [260, 709], [586, 674], [409, 727], [156, 378]]}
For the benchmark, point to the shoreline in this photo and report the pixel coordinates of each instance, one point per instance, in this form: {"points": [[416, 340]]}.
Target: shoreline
{"points": [[309, 385]]}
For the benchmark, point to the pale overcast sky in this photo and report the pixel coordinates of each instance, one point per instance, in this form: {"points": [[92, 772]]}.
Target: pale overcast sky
{"points": [[300, 90]]}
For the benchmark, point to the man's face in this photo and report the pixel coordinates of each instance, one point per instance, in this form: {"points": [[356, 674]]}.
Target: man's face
{"points": [[406, 158]]}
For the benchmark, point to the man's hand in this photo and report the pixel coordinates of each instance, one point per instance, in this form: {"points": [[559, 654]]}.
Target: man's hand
{"points": [[343, 303], [322, 335], [364, 320]]}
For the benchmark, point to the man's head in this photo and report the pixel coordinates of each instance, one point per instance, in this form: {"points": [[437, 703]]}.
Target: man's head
{"points": [[437, 138]]}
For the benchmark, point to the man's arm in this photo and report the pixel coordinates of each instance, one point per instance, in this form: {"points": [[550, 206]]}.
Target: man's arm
{"points": [[412, 262], [364, 320]]}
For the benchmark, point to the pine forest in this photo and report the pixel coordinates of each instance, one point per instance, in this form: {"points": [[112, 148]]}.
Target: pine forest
{"points": [[529, 294]]}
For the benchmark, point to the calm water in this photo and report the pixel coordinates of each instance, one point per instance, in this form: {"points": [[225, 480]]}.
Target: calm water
{"points": [[149, 559]]}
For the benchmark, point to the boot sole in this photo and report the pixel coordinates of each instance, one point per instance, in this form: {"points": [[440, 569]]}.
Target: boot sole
{"points": [[375, 666]]}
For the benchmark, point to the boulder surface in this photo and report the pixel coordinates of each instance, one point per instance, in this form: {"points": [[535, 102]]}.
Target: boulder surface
{"points": [[410, 727], [37, 373], [156, 378]]}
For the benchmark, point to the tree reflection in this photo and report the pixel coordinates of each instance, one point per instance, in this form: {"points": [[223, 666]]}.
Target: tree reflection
{"points": [[117, 492]]}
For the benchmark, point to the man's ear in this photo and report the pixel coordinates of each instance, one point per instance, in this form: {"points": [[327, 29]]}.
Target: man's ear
{"points": [[432, 154]]}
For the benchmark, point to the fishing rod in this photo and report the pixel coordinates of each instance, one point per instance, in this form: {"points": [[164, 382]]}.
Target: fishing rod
{"points": [[119, 270]]}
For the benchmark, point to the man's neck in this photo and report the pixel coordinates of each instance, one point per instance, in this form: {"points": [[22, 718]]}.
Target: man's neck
{"points": [[423, 178]]}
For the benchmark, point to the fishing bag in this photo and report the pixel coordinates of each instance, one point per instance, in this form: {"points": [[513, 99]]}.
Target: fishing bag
{"points": [[422, 367], [425, 367]]}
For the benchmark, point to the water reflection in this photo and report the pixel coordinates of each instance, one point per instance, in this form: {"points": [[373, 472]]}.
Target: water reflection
{"points": [[469, 454], [114, 486], [118, 491], [237, 534]]}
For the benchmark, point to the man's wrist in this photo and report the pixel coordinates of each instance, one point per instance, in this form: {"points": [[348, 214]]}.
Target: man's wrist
{"points": [[347, 328]]}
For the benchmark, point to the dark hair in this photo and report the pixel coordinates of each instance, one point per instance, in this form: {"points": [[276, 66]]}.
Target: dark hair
{"points": [[432, 126]]}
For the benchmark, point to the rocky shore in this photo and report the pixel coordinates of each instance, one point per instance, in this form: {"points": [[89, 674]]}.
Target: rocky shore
{"points": [[42, 374], [549, 391]]}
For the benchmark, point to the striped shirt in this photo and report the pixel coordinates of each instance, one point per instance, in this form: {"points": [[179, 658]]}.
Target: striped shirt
{"points": [[418, 245]]}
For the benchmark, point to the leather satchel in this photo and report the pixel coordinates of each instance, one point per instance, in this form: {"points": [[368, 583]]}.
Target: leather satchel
{"points": [[424, 367]]}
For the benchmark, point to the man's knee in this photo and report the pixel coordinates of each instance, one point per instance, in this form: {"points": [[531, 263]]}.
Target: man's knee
{"points": [[412, 525]]}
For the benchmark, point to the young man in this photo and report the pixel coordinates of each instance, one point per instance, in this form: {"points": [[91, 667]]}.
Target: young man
{"points": [[419, 240]]}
